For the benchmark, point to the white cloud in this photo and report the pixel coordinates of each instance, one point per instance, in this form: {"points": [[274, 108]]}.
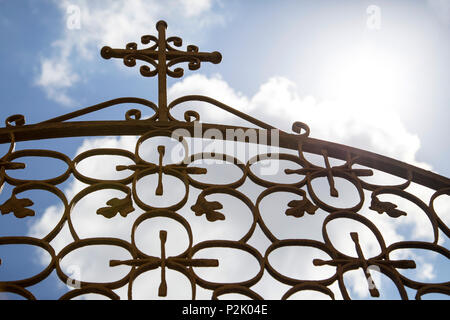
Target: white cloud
{"points": [[55, 78], [442, 9], [427, 272], [277, 102], [56, 75], [193, 8], [112, 23]]}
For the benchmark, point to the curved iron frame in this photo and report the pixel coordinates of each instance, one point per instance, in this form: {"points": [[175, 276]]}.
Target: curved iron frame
{"points": [[162, 56]]}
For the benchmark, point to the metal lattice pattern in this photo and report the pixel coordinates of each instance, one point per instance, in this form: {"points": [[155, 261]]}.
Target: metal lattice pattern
{"points": [[357, 165]]}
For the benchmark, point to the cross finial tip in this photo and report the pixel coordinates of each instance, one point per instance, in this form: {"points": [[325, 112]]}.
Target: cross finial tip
{"points": [[106, 52], [354, 236], [217, 57], [161, 23]]}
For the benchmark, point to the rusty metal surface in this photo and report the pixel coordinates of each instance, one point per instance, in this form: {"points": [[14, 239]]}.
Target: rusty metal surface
{"points": [[161, 56]]}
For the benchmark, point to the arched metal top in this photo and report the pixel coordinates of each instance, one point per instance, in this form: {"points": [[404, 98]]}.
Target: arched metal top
{"points": [[60, 127]]}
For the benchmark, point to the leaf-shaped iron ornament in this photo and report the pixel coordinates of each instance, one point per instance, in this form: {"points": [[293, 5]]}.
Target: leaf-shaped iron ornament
{"points": [[122, 206], [387, 207], [203, 206], [298, 207], [18, 206]]}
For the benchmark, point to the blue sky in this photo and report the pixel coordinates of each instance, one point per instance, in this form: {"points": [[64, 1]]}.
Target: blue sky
{"points": [[382, 87]]}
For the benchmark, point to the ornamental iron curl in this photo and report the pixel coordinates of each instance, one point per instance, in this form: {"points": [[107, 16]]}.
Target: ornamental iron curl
{"points": [[203, 202]]}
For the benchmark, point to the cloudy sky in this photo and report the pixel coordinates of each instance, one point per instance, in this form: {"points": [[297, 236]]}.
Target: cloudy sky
{"points": [[369, 74]]}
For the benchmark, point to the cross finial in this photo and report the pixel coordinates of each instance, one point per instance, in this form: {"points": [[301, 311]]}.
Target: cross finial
{"points": [[161, 56]]}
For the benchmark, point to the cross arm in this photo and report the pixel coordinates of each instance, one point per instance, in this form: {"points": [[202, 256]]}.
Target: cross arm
{"points": [[213, 57]]}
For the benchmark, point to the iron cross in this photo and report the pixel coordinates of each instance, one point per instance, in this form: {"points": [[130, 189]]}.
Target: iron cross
{"points": [[161, 55], [164, 262], [366, 263]]}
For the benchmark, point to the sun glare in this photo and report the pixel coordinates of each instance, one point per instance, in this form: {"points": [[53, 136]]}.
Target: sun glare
{"points": [[369, 77]]}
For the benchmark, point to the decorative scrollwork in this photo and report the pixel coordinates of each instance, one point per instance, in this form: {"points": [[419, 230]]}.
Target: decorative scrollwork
{"points": [[17, 119], [214, 211], [257, 209]]}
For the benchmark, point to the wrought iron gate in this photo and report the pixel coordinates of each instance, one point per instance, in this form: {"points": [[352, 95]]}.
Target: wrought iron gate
{"points": [[355, 164]]}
